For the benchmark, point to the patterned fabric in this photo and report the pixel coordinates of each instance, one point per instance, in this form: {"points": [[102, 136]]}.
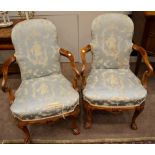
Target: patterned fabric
{"points": [[114, 87], [45, 96], [44, 91], [112, 41], [111, 82], [36, 48]]}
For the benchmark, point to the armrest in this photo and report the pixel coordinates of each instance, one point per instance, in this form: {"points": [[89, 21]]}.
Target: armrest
{"points": [[70, 56], [149, 70], [83, 52], [5, 68]]}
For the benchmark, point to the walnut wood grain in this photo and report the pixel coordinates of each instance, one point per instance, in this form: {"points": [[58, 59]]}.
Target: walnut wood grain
{"points": [[149, 13], [83, 53], [5, 87], [144, 55], [6, 47], [137, 112], [70, 56], [26, 132]]}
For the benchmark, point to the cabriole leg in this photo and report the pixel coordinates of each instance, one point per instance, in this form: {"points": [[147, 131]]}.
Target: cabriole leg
{"points": [[26, 132], [75, 128], [74, 119], [137, 112], [88, 121]]}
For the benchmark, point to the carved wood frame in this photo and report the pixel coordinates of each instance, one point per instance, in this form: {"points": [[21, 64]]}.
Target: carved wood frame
{"points": [[22, 124], [89, 108]]}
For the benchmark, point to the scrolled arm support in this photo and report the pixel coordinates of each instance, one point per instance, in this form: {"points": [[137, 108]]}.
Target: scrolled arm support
{"points": [[149, 70], [5, 68], [70, 56], [83, 52]]}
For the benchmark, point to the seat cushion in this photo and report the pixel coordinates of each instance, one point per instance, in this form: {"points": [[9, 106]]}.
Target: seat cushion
{"points": [[45, 96], [114, 87]]}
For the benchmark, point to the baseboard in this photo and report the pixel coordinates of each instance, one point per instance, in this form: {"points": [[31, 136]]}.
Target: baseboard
{"points": [[134, 140]]}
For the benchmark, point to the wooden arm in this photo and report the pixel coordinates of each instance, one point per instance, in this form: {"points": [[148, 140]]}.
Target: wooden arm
{"points": [[83, 52], [70, 56], [148, 72], [5, 68]]}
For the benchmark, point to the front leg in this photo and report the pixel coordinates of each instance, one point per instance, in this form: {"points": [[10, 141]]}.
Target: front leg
{"points": [[88, 119], [137, 112], [74, 119], [26, 132]]}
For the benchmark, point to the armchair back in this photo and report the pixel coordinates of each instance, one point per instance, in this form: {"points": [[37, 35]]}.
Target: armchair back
{"points": [[111, 41], [36, 48]]}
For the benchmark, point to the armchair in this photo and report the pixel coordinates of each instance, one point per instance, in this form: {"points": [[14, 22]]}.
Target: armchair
{"points": [[44, 94], [111, 85]]}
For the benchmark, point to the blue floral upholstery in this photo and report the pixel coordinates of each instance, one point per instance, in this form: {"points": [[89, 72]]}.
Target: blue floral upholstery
{"points": [[45, 96], [36, 48], [113, 87], [44, 91], [112, 41], [111, 82]]}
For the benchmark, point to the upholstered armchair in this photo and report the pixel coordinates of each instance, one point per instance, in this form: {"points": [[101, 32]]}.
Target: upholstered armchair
{"points": [[111, 85], [44, 94]]}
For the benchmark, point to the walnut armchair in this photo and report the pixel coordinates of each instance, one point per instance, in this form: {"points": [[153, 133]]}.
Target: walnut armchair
{"points": [[111, 85], [44, 94]]}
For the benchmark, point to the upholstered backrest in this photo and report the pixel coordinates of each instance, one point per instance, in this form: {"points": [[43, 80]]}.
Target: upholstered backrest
{"points": [[36, 48], [112, 40]]}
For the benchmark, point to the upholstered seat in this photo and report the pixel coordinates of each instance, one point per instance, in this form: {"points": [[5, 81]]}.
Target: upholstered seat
{"points": [[114, 87], [45, 96]]}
